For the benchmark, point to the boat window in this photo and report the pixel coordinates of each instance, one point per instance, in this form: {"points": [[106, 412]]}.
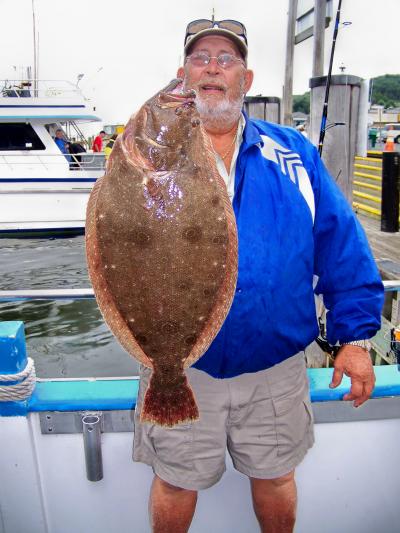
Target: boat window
{"points": [[19, 136]]}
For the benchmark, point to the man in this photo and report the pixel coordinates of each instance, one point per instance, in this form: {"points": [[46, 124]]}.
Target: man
{"points": [[295, 229], [97, 145], [62, 143]]}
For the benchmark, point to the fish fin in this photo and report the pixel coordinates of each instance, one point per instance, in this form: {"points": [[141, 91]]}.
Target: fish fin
{"points": [[169, 407]]}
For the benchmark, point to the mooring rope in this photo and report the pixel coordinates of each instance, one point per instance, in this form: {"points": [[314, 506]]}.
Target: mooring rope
{"points": [[23, 389]]}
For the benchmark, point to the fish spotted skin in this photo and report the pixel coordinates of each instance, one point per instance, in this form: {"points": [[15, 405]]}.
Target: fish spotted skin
{"points": [[161, 245]]}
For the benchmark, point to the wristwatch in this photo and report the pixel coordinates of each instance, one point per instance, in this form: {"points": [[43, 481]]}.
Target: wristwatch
{"points": [[364, 344]]}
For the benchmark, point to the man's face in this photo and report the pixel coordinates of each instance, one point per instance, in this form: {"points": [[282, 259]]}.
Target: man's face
{"points": [[59, 134], [211, 82]]}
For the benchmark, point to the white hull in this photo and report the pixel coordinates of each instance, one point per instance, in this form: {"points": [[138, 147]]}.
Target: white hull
{"points": [[43, 210], [348, 482], [45, 202]]}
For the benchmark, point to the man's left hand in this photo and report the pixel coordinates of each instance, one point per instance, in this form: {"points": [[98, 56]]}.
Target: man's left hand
{"points": [[356, 363]]}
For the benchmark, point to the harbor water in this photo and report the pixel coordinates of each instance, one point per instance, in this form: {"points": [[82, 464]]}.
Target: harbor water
{"points": [[66, 338]]}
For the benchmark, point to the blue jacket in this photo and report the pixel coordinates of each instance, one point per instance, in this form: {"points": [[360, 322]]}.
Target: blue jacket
{"points": [[296, 232], [62, 145]]}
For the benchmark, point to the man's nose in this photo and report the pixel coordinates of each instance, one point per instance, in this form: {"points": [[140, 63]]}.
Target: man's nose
{"points": [[213, 66]]}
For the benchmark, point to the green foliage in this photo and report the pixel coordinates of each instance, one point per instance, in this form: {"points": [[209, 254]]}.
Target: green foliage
{"points": [[386, 90], [301, 103]]}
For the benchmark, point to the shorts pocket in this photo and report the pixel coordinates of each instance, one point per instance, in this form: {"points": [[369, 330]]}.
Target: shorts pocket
{"points": [[293, 418], [171, 446]]}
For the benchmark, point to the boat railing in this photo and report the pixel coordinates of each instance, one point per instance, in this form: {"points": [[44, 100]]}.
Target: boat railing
{"points": [[80, 161], [88, 293], [39, 89], [385, 344]]}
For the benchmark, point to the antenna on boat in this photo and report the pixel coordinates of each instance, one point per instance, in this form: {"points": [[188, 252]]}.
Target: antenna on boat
{"points": [[37, 58], [213, 15], [35, 49], [78, 79]]}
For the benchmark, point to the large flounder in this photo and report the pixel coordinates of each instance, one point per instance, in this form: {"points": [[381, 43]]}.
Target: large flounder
{"points": [[161, 246]]}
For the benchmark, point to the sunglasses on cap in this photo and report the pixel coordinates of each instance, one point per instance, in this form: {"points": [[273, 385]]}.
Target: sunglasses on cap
{"points": [[204, 24]]}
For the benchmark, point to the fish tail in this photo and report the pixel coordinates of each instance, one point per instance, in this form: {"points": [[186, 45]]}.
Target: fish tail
{"points": [[169, 407]]}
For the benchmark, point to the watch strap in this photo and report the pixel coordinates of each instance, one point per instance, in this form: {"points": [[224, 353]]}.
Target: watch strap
{"points": [[364, 343]]}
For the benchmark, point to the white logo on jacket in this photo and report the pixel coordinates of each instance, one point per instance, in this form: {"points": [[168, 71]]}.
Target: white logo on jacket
{"points": [[291, 165]]}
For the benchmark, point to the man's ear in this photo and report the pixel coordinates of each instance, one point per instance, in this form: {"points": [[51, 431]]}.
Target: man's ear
{"points": [[181, 72], [248, 80]]}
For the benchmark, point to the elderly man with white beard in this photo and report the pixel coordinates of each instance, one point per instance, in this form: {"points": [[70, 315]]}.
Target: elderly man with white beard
{"points": [[294, 227]]}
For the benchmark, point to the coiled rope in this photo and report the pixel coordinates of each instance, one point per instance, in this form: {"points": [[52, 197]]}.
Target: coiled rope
{"points": [[23, 389]]}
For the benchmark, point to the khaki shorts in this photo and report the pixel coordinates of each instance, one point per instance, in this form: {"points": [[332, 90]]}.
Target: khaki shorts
{"points": [[264, 419]]}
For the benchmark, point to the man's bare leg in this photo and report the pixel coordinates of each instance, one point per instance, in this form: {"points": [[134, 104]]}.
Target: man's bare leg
{"points": [[274, 502], [171, 508]]}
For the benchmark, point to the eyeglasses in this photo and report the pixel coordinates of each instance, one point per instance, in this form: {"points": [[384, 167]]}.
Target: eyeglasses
{"points": [[201, 59], [204, 24]]}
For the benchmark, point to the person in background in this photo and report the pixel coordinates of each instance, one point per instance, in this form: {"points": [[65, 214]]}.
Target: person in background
{"points": [[97, 145], [297, 237], [62, 143], [24, 89], [109, 146], [75, 149], [302, 130]]}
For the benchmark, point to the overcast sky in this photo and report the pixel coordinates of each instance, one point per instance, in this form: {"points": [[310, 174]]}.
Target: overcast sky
{"points": [[128, 50]]}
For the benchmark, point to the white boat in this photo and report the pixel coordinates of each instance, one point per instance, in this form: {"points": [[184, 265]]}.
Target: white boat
{"points": [[65, 455], [42, 190]]}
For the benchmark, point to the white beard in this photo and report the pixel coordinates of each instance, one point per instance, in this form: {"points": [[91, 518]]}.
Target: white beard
{"points": [[216, 114]]}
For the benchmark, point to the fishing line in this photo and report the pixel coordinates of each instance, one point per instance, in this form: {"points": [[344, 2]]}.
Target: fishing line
{"points": [[328, 83]]}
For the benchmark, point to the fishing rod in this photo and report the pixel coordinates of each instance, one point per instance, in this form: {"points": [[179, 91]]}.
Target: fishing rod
{"points": [[328, 84]]}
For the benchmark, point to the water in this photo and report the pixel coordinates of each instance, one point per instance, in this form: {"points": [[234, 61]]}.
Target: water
{"points": [[65, 338]]}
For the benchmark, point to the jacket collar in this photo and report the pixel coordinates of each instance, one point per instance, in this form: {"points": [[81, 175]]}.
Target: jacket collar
{"points": [[251, 135]]}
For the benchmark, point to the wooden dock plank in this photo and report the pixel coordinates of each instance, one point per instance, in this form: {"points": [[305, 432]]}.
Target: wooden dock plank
{"points": [[385, 246]]}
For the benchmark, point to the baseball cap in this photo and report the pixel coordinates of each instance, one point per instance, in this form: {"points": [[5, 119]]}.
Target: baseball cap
{"points": [[232, 29]]}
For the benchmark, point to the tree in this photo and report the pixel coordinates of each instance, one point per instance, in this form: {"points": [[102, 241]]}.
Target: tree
{"points": [[301, 103], [386, 90]]}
